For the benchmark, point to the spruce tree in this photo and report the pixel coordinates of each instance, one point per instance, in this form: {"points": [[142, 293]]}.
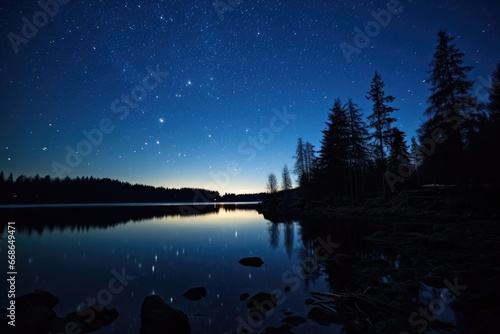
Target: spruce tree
{"points": [[357, 146], [335, 141], [358, 134], [299, 167], [399, 167], [309, 160], [398, 151], [334, 150], [286, 181], [380, 121], [442, 135], [415, 154], [305, 162]]}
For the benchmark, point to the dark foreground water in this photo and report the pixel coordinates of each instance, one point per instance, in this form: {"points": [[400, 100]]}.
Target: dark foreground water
{"points": [[166, 256], [118, 256]]}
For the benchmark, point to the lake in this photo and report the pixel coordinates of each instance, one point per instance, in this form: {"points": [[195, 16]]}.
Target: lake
{"points": [[75, 252]]}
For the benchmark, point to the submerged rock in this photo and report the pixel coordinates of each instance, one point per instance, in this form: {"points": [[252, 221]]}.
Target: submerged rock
{"points": [[244, 296], [251, 261], [67, 324], [159, 318], [293, 320], [322, 316], [260, 304], [263, 299], [283, 329], [33, 320], [36, 298], [195, 293], [85, 321], [34, 315]]}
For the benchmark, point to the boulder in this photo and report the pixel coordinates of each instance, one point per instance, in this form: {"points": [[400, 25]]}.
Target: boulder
{"points": [[195, 293], [33, 314], [322, 316], [260, 304], [33, 320], [159, 318], [294, 320], [36, 298], [251, 261], [88, 320]]}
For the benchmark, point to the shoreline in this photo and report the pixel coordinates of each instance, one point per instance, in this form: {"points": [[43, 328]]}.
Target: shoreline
{"points": [[417, 206], [450, 246]]}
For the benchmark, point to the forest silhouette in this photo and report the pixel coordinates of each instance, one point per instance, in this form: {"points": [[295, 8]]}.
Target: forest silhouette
{"points": [[456, 146]]}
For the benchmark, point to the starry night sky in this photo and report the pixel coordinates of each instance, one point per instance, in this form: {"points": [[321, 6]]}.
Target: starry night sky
{"points": [[222, 75]]}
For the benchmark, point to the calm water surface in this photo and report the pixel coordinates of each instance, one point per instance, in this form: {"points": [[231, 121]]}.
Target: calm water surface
{"points": [[166, 256]]}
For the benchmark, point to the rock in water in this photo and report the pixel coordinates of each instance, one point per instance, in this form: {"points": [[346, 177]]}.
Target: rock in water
{"points": [[32, 320], [260, 304], [33, 314], [251, 261], [36, 298], [195, 293], [159, 318], [88, 320], [265, 300], [322, 316], [293, 320], [283, 329]]}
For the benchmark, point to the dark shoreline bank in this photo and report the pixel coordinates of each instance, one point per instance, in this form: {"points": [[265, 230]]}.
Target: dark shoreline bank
{"points": [[451, 239], [431, 205]]}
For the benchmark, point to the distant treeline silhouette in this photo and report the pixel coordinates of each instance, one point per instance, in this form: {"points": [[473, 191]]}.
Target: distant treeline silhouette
{"points": [[26, 189]]}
